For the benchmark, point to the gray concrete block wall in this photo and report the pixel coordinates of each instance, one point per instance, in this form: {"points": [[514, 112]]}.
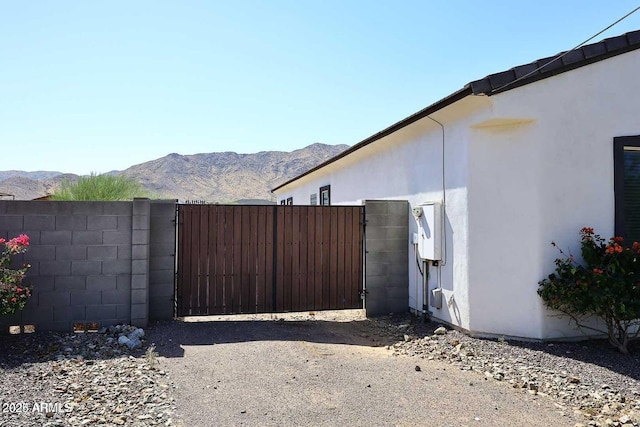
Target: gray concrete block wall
{"points": [[387, 256], [81, 259], [162, 251]]}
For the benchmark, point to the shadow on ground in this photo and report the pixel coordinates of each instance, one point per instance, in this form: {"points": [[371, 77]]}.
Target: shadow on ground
{"points": [[169, 337]]}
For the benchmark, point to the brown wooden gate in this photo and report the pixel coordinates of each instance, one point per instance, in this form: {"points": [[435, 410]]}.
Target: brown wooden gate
{"points": [[260, 259]]}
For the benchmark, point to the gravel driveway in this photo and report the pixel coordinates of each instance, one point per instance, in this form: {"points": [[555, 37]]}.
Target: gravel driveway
{"points": [[326, 371]]}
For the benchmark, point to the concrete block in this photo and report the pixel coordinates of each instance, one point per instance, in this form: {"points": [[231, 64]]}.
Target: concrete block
{"points": [[139, 281], [124, 252], [376, 233], [399, 208], [160, 308], [140, 237], [40, 222], [118, 208], [87, 208], [140, 252], [139, 312], [118, 266], [376, 207], [38, 316], [124, 223], [377, 269], [86, 297], [165, 234], [87, 238], [101, 283], [141, 206], [116, 237], [116, 297], [71, 253], [101, 311], [78, 313], [72, 222], [102, 222], [101, 253], [62, 314], [162, 249], [161, 263], [140, 222], [124, 282], [11, 222], [86, 268], [139, 296], [58, 238], [139, 267], [123, 311], [55, 298], [54, 268], [375, 246], [41, 253], [3, 206], [400, 233], [163, 208], [40, 283], [160, 276], [70, 283], [162, 290]]}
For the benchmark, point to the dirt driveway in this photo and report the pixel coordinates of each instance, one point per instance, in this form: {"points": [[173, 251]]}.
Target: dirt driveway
{"points": [[327, 369]]}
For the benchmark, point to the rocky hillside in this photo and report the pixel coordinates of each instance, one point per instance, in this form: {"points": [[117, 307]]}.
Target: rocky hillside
{"points": [[214, 177]]}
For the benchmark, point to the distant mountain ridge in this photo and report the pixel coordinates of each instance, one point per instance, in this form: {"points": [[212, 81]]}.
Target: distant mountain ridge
{"points": [[221, 177]]}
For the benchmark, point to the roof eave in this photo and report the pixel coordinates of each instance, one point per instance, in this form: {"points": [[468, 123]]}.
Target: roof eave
{"points": [[454, 97]]}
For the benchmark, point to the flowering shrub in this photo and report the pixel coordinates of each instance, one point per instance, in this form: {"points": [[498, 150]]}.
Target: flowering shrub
{"points": [[605, 285], [13, 293]]}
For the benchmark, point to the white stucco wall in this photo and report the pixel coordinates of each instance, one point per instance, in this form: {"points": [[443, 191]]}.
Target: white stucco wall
{"points": [[523, 168], [538, 182]]}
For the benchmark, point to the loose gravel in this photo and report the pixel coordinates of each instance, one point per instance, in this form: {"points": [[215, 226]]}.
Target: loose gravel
{"points": [[52, 379], [589, 379]]}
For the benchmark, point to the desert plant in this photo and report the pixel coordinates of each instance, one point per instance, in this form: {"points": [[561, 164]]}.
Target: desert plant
{"points": [[13, 293], [100, 187], [605, 284]]}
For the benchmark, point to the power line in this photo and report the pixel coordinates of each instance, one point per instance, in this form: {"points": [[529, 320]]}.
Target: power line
{"points": [[568, 52]]}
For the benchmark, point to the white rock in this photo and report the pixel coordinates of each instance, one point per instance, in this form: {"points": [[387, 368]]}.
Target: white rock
{"points": [[136, 334], [440, 331]]}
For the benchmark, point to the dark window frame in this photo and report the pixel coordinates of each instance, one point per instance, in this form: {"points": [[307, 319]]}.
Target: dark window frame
{"points": [[619, 144], [324, 188], [289, 201], [283, 202]]}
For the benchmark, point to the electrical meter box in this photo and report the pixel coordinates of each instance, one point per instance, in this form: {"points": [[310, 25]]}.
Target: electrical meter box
{"points": [[429, 219]]}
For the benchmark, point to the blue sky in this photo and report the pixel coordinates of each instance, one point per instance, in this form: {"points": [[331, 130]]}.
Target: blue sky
{"points": [[97, 86]]}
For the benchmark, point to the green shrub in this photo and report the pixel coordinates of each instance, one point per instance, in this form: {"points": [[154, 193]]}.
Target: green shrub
{"points": [[605, 285], [100, 187]]}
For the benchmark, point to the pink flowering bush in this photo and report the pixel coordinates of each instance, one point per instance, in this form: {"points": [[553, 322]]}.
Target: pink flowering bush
{"points": [[13, 293], [604, 284]]}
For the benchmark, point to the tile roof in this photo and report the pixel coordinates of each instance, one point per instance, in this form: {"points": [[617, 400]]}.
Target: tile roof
{"points": [[547, 67]]}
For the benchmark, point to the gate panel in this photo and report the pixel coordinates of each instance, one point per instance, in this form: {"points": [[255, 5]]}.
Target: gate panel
{"points": [[258, 259]]}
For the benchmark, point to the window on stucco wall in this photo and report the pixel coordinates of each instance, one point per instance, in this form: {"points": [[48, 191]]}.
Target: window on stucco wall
{"points": [[626, 155], [289, 200], [313, 199], [325, 195]]}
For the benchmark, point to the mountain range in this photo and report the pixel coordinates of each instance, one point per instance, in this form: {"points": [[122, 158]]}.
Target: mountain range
{"points": [[221, 177]]}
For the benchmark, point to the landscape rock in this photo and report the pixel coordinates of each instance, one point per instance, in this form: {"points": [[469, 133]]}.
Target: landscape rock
{"points": [[83, 379], [603, 388]]}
